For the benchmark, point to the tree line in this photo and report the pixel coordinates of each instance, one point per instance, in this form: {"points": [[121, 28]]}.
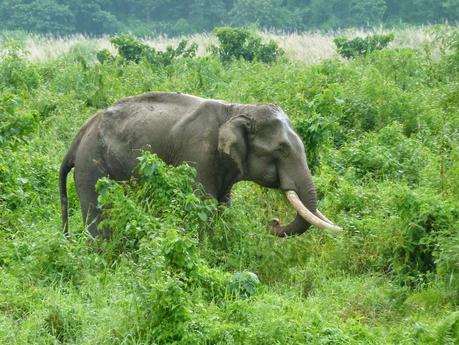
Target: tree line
{"points": [[175, 17]]}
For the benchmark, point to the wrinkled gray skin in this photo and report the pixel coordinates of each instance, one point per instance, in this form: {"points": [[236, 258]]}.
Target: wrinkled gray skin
{"points": [[225, 142]]}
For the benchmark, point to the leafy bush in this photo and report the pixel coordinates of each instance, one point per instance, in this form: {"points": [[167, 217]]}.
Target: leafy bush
{"points": [[425, 220], [386, 155], [244, 284], [164, 199], [156, 221], [242, 44], [351, 48], [320, 125], [15, 72], [104, 56], [14, 125], [131, 49]]}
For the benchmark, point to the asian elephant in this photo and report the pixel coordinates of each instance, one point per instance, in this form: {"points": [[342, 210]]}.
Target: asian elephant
{"points": [[225, 142]]}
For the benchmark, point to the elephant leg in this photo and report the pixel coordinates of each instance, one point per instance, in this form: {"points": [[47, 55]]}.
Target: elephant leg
{"points": [[86, 186], [90, 167], [226, 198], [91, 214]]}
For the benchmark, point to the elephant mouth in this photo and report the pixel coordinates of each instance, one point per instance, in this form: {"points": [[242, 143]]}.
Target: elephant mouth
{"points": [[268, 182]]}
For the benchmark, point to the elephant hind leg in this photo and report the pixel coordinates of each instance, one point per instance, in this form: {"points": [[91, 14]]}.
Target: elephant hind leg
{"points": [[88, 170], [91, 214], [86, 186]]}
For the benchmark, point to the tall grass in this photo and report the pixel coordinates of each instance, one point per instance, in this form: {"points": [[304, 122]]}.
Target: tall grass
{"points": [[307, 47]]}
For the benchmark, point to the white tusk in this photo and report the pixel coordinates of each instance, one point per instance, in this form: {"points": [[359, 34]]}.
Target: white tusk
{"points": [[321, 216], [307, 215]]}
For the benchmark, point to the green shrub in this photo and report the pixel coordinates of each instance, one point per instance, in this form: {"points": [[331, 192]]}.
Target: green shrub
{"points": [[237, 44], [131, 49], [104, 56], [386, 155], [156, 221], [425, 220], [371, 102], [351, 48], [16, 72], [14, 125], [244, 284], [319, 126]]}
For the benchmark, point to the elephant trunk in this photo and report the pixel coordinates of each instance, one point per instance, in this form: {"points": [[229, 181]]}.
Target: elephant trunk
{"points": [[303, 197]]}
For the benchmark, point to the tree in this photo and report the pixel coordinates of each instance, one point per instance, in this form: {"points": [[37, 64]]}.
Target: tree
{"points": [[327, 14], [265, 13], [206, 14], [42, 16], [449, 9], [90, 17], [366, 12]]}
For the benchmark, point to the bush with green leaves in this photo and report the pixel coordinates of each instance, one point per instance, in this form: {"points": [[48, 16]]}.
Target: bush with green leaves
{"points": [[237, 43], [163, 198], [351, 48], [15, 71], [13, 124], [130, 48]]}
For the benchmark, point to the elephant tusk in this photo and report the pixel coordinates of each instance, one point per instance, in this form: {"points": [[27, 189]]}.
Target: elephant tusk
{"points": [[307, 215], [321, 216]]}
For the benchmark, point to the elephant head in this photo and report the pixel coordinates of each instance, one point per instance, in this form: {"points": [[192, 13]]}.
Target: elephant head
{"points": [[259, 139]]}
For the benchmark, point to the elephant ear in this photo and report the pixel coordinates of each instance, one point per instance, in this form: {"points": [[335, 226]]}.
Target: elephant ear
{"points": [[232, 139]]}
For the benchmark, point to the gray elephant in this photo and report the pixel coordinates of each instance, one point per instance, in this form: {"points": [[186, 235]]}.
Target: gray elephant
{"points": [[225, 142]]}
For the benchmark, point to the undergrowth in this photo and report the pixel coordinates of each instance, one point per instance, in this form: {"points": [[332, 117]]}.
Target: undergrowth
{"points": [[381, 134]]}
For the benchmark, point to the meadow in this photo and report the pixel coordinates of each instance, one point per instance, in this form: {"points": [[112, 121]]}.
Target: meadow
{"points": [[381, 133]]}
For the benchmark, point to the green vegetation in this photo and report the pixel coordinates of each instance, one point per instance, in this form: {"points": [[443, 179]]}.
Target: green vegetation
{"points": [[175, 17], [233, 43], [131, 49], [242, 44], [382, 136], [350, 48]]}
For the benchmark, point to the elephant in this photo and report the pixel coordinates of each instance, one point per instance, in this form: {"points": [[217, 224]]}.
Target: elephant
{"points": [[225, 142]]}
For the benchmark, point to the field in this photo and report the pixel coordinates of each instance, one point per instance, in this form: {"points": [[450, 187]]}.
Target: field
{"points": [[308, 47], [382, 136]]}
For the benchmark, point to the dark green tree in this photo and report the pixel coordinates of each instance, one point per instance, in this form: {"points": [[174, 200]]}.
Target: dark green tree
{"points": [[147, 17], [90, 17], [265, 13], [366, 12], [41, 16], [206, 14]]}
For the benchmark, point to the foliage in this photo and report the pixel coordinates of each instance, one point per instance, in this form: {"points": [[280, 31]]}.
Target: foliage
{"points": [[14, 126], [131, 49], [104, 56], [264, 13], [351, 48], [242, 44], [244, 284], [381, 134], [175, 17]]}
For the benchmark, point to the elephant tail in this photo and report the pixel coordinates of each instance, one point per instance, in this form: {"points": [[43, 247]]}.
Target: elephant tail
{"points": [[66, 166]]}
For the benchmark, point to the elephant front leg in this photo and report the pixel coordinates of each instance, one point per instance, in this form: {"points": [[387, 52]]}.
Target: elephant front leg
{"points": [[225, 199]]}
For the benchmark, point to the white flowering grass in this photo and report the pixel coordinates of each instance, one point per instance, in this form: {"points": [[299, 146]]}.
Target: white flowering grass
{"points": [[307, 47]]}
